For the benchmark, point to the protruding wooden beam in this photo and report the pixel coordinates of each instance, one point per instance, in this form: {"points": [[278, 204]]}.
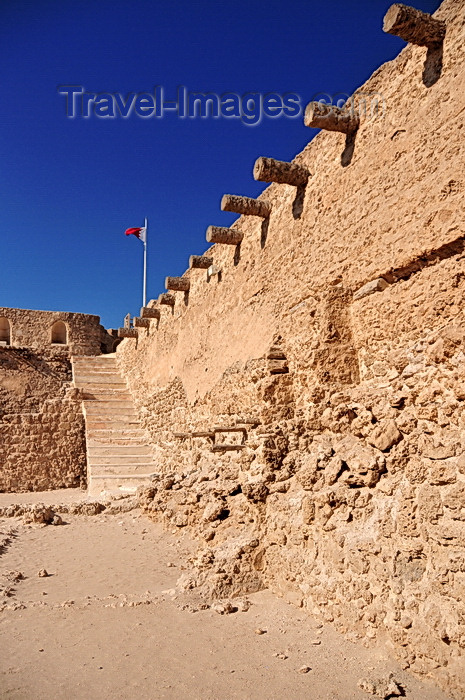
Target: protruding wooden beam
{"points": [[167, 299], [245, 205], [220, 234], [141, 322], [271, 170], [202, 262], [177, 284], [127, 332], [319, 115], [414, 26], [149, 312]]}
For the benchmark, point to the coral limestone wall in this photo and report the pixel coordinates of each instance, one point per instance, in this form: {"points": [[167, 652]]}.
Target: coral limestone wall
{"points": [[41, 422], [307, 404], [42, 443]]}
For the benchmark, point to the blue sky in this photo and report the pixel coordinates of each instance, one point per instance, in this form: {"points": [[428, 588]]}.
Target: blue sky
{"points": [[70, 187]]}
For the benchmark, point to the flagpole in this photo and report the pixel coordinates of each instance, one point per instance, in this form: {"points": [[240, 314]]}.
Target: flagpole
{"points": [[144, 291]]}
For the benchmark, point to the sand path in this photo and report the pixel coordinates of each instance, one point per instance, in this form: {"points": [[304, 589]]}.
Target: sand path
{"points": [[106, 624]]}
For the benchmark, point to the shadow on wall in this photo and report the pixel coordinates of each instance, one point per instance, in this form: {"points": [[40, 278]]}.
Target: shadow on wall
{"points": [[59, 333], [5, 334]]}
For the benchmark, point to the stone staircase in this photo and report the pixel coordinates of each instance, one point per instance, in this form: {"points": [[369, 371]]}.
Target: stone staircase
{"points": [[119, 458]]}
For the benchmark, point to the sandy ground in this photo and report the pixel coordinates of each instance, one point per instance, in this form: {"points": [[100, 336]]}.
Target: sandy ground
{"points": [[106, 624]]}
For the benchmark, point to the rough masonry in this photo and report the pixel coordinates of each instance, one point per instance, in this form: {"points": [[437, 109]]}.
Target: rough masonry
{"points": [[42, 442], [305, 394]]}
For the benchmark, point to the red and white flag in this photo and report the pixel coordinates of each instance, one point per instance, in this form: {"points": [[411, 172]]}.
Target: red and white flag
{"points": [[140, 233]]}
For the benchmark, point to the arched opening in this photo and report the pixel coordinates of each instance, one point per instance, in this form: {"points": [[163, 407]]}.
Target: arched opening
{"points": [[59, 333], [4, 331]]}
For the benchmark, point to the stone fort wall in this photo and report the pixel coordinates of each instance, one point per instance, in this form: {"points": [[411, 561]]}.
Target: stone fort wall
{"points": [[42, 443], [307, 404]]}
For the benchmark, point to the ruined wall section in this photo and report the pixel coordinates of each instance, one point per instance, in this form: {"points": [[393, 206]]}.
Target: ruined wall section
{"points": [[344, 489], [42, 443], [33, 329], [400, 198], [41, 423]]}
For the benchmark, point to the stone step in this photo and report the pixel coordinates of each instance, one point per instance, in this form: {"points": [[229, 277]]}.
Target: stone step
{"points": [[126, 469], [95, 367], [129, 443], [85, 375], [96, 413], [95, 409], [95, 362], [110, 357], [106, 434], [102, 391], [95, 372], [105, 394], [95, 393], [118, 460], [104, 423], [118, 456], [109, 403], [109, 397], [125, 451], [99, 484], [102, 395], [101, 380]]}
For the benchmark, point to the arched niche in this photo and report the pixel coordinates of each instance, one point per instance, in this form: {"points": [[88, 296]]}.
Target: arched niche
{"points": [[5, 331], [59, 333]]}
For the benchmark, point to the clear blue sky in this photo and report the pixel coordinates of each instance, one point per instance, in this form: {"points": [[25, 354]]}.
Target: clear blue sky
{"points": [[70, 187]]}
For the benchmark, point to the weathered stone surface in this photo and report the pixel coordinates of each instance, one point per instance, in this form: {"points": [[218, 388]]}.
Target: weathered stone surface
{"points": [[384, 688], [377, 285], [278, 366], [41, 423], [361, 465], [385, 435], [349, 485]]}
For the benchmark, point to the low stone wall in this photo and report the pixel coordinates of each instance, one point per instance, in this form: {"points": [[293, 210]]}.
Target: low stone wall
{"points": [[43, 451], [42, 431]]}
